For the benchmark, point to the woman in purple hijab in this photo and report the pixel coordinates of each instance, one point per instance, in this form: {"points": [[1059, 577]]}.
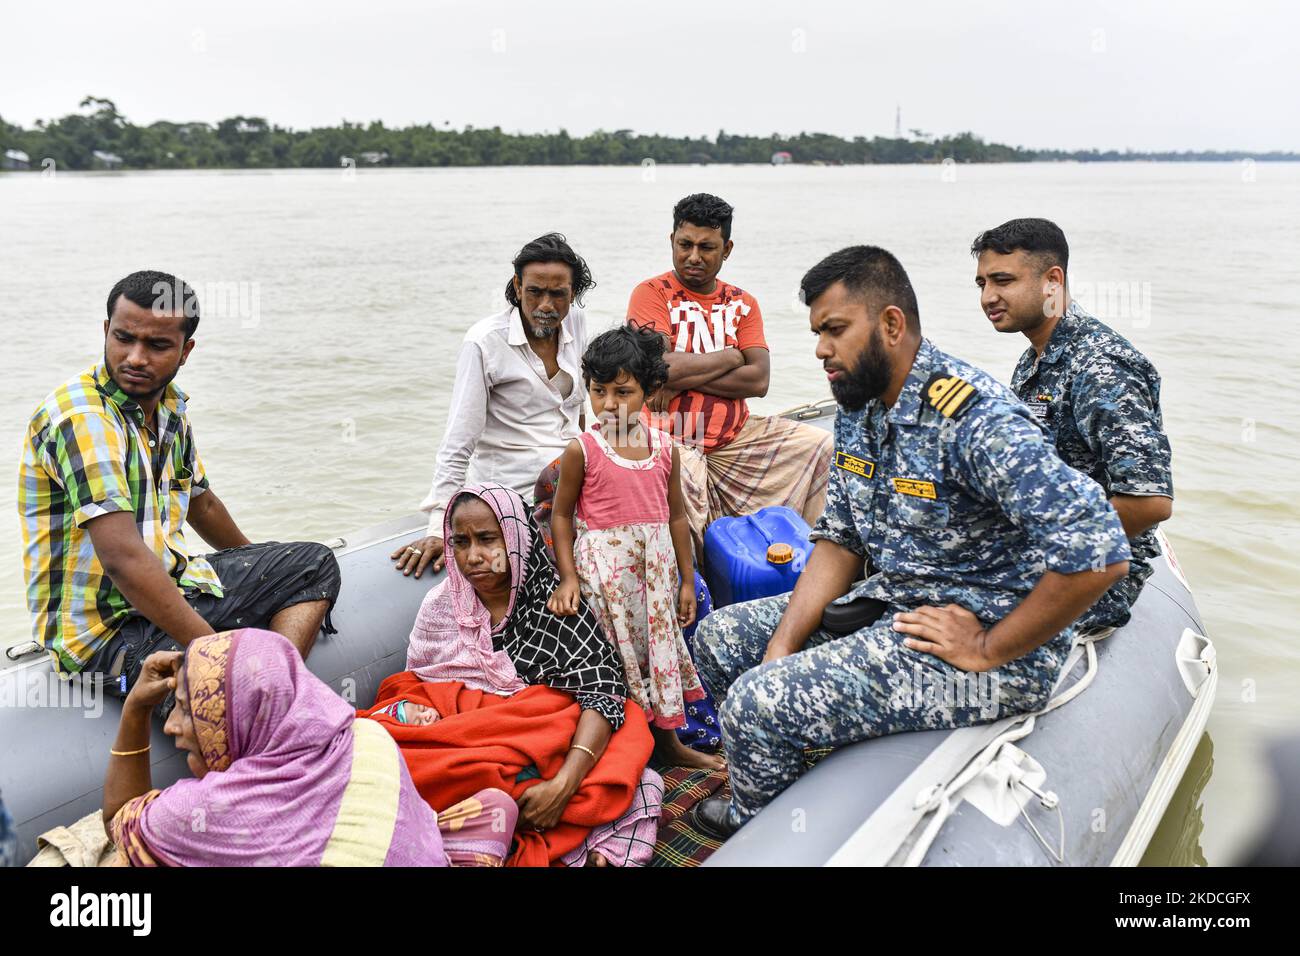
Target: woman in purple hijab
{"points": [[284, 775]]}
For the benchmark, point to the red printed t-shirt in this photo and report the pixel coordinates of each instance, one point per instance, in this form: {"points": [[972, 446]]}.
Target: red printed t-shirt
{"points": [[699, 323]]}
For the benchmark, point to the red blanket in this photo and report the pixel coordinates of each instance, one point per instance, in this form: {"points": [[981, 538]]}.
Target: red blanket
{"points": [[484, 740]]}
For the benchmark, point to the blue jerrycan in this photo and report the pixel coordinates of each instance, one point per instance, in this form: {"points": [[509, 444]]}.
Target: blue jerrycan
{"points": [[755, 556]]}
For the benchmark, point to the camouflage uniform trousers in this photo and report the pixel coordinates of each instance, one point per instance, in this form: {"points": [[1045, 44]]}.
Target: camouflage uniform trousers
{"points": [[8, 839], [838, 690]]}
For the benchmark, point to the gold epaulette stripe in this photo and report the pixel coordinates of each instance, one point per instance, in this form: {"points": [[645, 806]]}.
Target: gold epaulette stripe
{"points": [[940, 390], [951, 405], [950, 394]]}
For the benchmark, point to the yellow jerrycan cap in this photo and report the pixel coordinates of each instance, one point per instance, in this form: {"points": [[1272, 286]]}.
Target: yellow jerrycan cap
{"points": [[779, 553]]}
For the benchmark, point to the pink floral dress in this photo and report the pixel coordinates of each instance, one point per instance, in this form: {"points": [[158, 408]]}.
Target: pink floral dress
{"points": [[627, 569]]}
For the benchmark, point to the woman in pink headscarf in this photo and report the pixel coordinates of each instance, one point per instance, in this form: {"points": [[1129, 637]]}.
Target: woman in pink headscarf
{"points": [[487, 628], [284, 773]]}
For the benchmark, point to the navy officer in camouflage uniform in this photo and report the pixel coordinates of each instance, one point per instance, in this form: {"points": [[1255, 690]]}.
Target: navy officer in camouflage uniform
{"points": [[1097, 395], [982, 548]]}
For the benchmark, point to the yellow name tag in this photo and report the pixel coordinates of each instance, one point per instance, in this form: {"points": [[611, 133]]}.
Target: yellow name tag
{"points": [[912, 486], [859, 466]]}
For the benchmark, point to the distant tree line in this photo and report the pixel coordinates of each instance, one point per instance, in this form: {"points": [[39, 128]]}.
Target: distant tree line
{"points": [[99, 136]]}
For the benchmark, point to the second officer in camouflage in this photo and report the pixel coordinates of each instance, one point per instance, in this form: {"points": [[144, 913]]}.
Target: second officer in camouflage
{"points": [[982, 548], [1097, 395]]}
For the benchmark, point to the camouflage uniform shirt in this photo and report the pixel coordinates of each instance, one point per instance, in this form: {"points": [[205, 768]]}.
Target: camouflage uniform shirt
{"points": [[954, 495], [1099, 398]]}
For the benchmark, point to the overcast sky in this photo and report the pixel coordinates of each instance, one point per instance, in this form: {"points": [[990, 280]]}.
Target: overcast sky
{"points": [[1176, 75]]}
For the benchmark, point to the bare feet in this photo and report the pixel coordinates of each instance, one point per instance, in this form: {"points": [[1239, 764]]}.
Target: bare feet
{"points": [[671, 751], [595, 859]]}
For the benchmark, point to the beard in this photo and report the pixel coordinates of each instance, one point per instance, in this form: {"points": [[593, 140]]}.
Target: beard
{"points": [[1023, 318], [1028, 310], [544, 331], [135, 393], [867, 379]]}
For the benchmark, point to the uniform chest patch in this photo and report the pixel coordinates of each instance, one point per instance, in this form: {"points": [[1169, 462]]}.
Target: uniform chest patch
{"points": [[914, 487], [859, 466], [949, 394]]}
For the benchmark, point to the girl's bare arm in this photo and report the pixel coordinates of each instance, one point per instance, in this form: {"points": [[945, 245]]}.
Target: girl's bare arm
{"points": [[572, 465]]}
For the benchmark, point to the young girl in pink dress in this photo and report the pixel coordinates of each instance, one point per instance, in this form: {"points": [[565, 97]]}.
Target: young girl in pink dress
{"points": [[631, 561]]}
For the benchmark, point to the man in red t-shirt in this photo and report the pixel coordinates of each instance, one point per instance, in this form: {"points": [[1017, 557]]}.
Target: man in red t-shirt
{"points": [[733, 463]]}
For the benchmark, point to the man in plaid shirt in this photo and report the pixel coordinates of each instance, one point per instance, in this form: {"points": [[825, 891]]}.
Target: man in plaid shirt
{"points": [[109, 477]]}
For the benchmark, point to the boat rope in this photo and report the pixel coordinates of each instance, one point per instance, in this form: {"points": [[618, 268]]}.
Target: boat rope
{"points": [[937, 800]]}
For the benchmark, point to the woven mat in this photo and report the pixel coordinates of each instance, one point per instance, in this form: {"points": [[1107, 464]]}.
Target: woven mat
{"points": [[679, 843]]}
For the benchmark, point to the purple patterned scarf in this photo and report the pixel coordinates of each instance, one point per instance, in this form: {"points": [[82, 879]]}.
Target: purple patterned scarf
{"points": [[278, 743]]}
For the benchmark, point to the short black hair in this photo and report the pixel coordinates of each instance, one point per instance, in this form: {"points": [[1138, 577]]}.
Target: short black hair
{"points": [[639, 351], [1040, 238], [704, 209], [161, 291], [868, 272], [551, 247]]}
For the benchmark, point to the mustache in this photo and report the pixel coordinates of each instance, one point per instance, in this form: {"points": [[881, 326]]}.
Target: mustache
{"points": [[539, 314]]}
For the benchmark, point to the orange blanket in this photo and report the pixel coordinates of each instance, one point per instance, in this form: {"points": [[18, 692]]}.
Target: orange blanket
{"points": [[484, 740]]}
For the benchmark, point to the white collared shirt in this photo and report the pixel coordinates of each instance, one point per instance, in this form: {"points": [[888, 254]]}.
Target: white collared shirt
{"points": [[507, 421]]}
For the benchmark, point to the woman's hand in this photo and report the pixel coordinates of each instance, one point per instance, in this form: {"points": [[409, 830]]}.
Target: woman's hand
{"points": [[686, 604], [541, 806], [565, 599], [418, 555], [128, 774], [157, 679]]}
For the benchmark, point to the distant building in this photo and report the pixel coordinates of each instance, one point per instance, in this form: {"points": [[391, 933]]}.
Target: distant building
{"points": [[105, 160], [781, 157], [15, 159], [375, 158]]}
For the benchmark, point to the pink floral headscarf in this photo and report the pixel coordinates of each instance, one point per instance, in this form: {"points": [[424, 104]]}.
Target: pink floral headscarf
{"points": [[452, 636]]}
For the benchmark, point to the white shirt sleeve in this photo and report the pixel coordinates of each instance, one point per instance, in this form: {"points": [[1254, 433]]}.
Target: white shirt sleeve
{"points": [[579, 330], [466, 419], [579, 350]]}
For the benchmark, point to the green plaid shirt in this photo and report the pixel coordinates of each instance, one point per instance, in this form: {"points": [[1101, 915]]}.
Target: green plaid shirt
{"points": [[88, 453]]}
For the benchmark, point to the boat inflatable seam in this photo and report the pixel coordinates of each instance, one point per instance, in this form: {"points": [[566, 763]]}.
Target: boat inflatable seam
{"points": [[1191, 616]]}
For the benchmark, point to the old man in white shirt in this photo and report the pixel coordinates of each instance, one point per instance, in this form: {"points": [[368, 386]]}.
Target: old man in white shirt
{"points": [[518, 397]]}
